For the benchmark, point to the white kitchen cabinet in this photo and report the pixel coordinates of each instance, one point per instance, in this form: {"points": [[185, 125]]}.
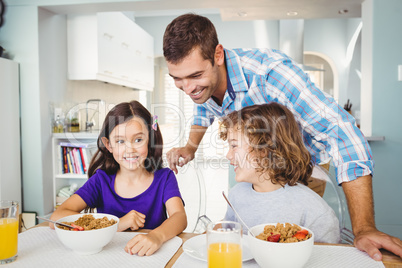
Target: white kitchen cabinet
{"points": [[110, 47], [61, 179]]}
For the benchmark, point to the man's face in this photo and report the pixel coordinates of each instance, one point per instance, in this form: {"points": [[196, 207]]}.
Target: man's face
{"points": [[195, 76]]}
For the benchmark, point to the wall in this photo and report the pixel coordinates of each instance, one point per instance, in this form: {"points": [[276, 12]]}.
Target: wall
{"points": [[386, 96], [156, 26], [36, 38], [19, 36]]}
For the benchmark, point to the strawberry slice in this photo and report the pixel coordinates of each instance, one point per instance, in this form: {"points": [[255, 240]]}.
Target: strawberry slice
{"points": [[299, 236], [274, 238], [303, 231], [79, 228]]}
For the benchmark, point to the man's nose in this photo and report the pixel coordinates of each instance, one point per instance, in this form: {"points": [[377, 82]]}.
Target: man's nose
{"points": [[188, 87]]}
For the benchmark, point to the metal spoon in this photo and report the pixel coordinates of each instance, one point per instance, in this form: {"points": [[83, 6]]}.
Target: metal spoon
{"points": [[237, 214], [62, 224]]}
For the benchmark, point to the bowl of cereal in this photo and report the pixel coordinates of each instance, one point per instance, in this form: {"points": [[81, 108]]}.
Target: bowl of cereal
{"points": [[99, 230], [280, 245]]}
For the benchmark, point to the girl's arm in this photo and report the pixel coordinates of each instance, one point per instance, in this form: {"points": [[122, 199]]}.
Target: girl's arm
{"points": [[73, 205], [174, 225]]}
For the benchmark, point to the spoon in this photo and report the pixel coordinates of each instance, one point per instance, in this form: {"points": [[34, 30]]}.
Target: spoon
{"points": [[237, 214], [72, 226]]}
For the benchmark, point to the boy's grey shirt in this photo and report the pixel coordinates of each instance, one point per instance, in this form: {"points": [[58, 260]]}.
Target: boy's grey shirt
{"points": [[293, 204]]}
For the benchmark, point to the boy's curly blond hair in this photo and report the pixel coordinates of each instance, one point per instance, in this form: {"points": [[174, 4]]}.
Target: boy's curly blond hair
{"points": [[275, 138]]}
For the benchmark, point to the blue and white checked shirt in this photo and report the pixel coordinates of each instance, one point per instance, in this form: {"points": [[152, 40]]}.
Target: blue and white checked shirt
{"points": [[263, 75]]}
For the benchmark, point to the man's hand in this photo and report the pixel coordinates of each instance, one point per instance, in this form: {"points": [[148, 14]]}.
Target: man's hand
{"points": [[133, 220], [371, 241], [174, 155]]}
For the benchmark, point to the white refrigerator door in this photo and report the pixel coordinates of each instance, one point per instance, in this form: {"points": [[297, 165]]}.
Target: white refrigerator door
{"points": [[10, 155]]}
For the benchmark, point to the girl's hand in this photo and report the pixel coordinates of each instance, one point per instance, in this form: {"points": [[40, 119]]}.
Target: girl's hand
{"points": [[144, 244], [133, 220]]}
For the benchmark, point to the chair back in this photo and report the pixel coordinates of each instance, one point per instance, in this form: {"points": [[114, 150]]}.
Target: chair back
{"points": [[192, 188], [336, 199]]}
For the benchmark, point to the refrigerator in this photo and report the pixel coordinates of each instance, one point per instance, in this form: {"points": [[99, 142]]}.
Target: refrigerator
{"points": [[10, 150]]}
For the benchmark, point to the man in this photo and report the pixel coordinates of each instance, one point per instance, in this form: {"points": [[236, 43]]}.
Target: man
{"points": [[220, 81]]}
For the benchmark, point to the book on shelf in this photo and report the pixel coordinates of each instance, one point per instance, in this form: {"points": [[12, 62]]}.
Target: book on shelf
{"points": [[75, 157]]}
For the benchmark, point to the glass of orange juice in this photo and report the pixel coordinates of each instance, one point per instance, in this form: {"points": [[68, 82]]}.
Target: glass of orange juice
{"points": [[224, 244], [8, 231]]}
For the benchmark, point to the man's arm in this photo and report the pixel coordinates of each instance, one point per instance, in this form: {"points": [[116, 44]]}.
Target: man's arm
{"points": [[359, 195], [187, 152]]}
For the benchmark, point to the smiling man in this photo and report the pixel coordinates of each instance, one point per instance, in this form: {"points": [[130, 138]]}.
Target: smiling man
{"points": [[221, 80]]}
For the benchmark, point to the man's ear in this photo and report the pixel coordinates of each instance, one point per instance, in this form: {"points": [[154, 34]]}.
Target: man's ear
{"points": [[106, 142], [219, 55]]}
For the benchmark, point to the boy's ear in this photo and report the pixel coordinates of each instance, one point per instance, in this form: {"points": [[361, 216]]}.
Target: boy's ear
{"points": [[106, 142]]}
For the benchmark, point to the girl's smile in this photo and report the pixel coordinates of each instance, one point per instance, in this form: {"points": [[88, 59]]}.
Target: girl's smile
{"points": [[129, 144]]}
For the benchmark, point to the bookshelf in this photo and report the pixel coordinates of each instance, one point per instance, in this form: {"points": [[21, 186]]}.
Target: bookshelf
{"points": [[62, 177]]}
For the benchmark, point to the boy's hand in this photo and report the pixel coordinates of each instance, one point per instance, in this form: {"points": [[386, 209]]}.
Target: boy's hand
{"points": [[143, 244], [133, 220]]}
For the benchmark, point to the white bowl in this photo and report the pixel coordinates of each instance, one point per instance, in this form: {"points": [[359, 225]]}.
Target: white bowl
{"points": [[87, 242], [283, 255]]}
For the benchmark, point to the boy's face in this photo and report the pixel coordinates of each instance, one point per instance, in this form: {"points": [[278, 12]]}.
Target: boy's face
{"points": [[240, 157], [196, 76], [128, 142]]}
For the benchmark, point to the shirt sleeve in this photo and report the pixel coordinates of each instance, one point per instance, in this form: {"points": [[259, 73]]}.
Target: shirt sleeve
{"points": [[327, 129], [202, 116], [171, 187], [90, 192]]}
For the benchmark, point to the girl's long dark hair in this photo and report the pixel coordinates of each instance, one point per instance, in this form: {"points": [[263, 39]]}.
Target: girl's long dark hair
{"points": [[122, 113]]}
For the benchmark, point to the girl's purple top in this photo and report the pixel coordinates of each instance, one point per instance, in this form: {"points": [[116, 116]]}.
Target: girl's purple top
{"points": [[99, 192]]}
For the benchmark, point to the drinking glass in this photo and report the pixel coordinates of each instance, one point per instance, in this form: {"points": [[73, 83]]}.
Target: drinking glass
{"points": [[224, 244], [8, 231]]}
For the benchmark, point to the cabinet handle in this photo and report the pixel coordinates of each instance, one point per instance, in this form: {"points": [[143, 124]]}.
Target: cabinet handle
{"points": [[107, 72], [108, 36], [125, 45], [125, 77], [138, 53]]}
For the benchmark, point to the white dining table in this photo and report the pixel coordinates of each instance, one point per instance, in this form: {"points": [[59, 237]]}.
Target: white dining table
{"points": [[171, 254]]}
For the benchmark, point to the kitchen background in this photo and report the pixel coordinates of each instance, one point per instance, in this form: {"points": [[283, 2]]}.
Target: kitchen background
{"points": [[35, 35]]}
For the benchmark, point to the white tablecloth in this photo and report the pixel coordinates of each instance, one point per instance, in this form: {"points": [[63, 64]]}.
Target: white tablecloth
{"points": [[322, 256], [40, 247]]}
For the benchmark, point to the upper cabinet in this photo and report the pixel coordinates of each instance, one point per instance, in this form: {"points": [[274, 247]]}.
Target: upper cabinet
{"points": [[110, 47]]}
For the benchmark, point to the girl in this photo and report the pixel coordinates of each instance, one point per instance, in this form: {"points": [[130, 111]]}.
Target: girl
{"points": [[272, 165], [127, 180]]}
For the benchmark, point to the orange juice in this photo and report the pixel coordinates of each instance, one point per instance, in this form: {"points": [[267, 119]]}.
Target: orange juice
{"points": [[8, 238], [221, 255]]}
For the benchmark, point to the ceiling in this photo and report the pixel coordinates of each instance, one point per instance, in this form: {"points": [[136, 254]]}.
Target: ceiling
{"points": [[228, 9]]}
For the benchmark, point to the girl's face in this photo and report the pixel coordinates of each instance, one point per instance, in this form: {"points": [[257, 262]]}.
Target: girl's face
{"points": [[239, 156], [128, 142]]}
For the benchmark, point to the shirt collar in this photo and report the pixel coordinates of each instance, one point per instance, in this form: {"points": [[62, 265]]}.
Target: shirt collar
{"points": [[234, 71], [236, 82]]}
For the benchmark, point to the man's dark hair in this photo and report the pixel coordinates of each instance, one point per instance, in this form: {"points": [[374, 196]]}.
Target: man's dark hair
{"points": [[186, 33]]}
